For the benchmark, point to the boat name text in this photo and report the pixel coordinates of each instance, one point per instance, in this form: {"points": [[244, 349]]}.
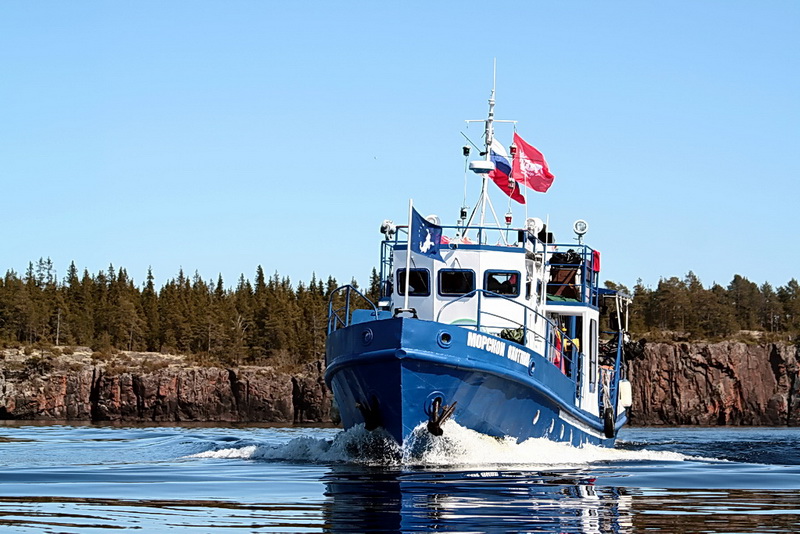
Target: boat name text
{"points": [[497, 346]]}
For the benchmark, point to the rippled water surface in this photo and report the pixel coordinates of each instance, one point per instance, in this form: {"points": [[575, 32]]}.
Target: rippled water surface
{"points": [[198, 479]]}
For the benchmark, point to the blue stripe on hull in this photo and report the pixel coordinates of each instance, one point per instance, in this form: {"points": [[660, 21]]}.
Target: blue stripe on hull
{"points": [[373, 365]]}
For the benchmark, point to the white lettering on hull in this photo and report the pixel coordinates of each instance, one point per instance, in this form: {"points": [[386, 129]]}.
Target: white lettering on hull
{"points": [[499, 347], [519, 356], [486, 343]]}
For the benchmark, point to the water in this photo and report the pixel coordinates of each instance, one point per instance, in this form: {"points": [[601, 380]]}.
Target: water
{"points": [[201, 479]]}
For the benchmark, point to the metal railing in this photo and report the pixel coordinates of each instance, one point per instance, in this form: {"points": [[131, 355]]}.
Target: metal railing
{"points": [[614, 374], [341, 316], [481, 324], [572, 274], [461, 237]]}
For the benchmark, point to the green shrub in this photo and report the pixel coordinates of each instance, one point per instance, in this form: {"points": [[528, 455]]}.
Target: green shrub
{"points": [[39, 365], [149, 366], [98, 356]]}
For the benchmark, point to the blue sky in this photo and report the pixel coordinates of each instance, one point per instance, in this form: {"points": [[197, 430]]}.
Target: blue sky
{"points": [[218, 136]]}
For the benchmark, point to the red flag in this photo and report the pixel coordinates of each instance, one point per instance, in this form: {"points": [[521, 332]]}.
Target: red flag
{"points": [[509, 187], [501, 170], [529, 167]]}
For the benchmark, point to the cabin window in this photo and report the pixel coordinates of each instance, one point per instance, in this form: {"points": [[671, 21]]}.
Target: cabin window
{"points": [[456, 282], [419, 282], [504, 283]]}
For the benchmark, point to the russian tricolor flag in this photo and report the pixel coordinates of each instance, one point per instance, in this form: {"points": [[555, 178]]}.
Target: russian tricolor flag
{"points": [[502, 172]]}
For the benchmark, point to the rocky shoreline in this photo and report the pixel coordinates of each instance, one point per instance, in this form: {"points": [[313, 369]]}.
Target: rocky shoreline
{"points": [[728, 383], [149, 387]]}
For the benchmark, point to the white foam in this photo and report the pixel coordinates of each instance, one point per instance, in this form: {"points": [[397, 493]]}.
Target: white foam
{"points": [[462, 446], [459, 446], [235, 452]]}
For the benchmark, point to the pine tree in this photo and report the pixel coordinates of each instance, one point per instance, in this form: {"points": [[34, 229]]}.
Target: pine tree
{"points": [[745, 298], [789, 297], [770, 312], [641, 319], [216, 333], [71, 306], [719, 320], [374, 292], [152, 318], [260, 338], [696, 302]]}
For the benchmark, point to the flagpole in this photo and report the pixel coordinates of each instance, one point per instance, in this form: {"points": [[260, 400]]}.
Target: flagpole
{"points": [[526, 202], [524, 181], [408, 254], [488, 136]]}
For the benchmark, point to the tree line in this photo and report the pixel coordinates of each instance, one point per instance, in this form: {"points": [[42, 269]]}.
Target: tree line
{"points": [[717, 312], [267, 320]]}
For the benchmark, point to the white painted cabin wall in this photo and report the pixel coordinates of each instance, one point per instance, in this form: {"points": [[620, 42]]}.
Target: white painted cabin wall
{"points": [[589, 395], [479, 261]]}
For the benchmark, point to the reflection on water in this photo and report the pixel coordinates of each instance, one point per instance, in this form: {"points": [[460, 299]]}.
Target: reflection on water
{"points": [[370, 500], [717, 511], [68, 479], [64, 514]]}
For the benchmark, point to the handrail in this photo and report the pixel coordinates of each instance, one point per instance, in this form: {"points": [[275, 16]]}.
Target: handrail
{"points": [[341, 317], [483, 233], [494, 295], [549, 333], [587, 291]]}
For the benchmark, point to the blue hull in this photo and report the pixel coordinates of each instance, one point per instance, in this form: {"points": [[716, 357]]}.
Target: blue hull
{"points": [[388, 373]]}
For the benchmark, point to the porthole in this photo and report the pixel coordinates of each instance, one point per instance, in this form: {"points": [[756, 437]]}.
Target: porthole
{"points": [[444, 339]]}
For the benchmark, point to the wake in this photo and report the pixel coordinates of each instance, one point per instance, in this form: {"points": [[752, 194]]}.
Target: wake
{"points": [[458, 447]]}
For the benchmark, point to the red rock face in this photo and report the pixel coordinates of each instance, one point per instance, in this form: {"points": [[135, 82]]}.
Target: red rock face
{"points": [[716, 384], [673, 384], [247, 394]]}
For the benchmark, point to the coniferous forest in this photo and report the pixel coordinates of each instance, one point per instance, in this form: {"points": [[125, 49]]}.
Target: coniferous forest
{"points": [[743, 309], [266, 321], [271, 321]]}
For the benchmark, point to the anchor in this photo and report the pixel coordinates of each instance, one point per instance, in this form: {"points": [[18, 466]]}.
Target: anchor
{"points": [[371, 413], [439, 414]]}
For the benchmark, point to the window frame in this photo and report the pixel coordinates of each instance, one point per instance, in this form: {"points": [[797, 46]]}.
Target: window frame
{"points": [[401, 282], [493, 294], [440, 285]]}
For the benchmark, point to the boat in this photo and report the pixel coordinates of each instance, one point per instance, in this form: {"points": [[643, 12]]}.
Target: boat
{"points": [[497, 327]]}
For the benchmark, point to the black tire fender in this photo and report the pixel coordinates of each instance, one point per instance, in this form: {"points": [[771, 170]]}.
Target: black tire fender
{"points": [[609, 423]]}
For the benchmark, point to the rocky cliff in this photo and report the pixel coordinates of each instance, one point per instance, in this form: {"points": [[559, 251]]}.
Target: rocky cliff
{"points": [[727, 383], [673, 384], [141, 387]]}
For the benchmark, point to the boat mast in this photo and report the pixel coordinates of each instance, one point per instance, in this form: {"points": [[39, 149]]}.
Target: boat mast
{"points": [[485, 166], [489, 136]]}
